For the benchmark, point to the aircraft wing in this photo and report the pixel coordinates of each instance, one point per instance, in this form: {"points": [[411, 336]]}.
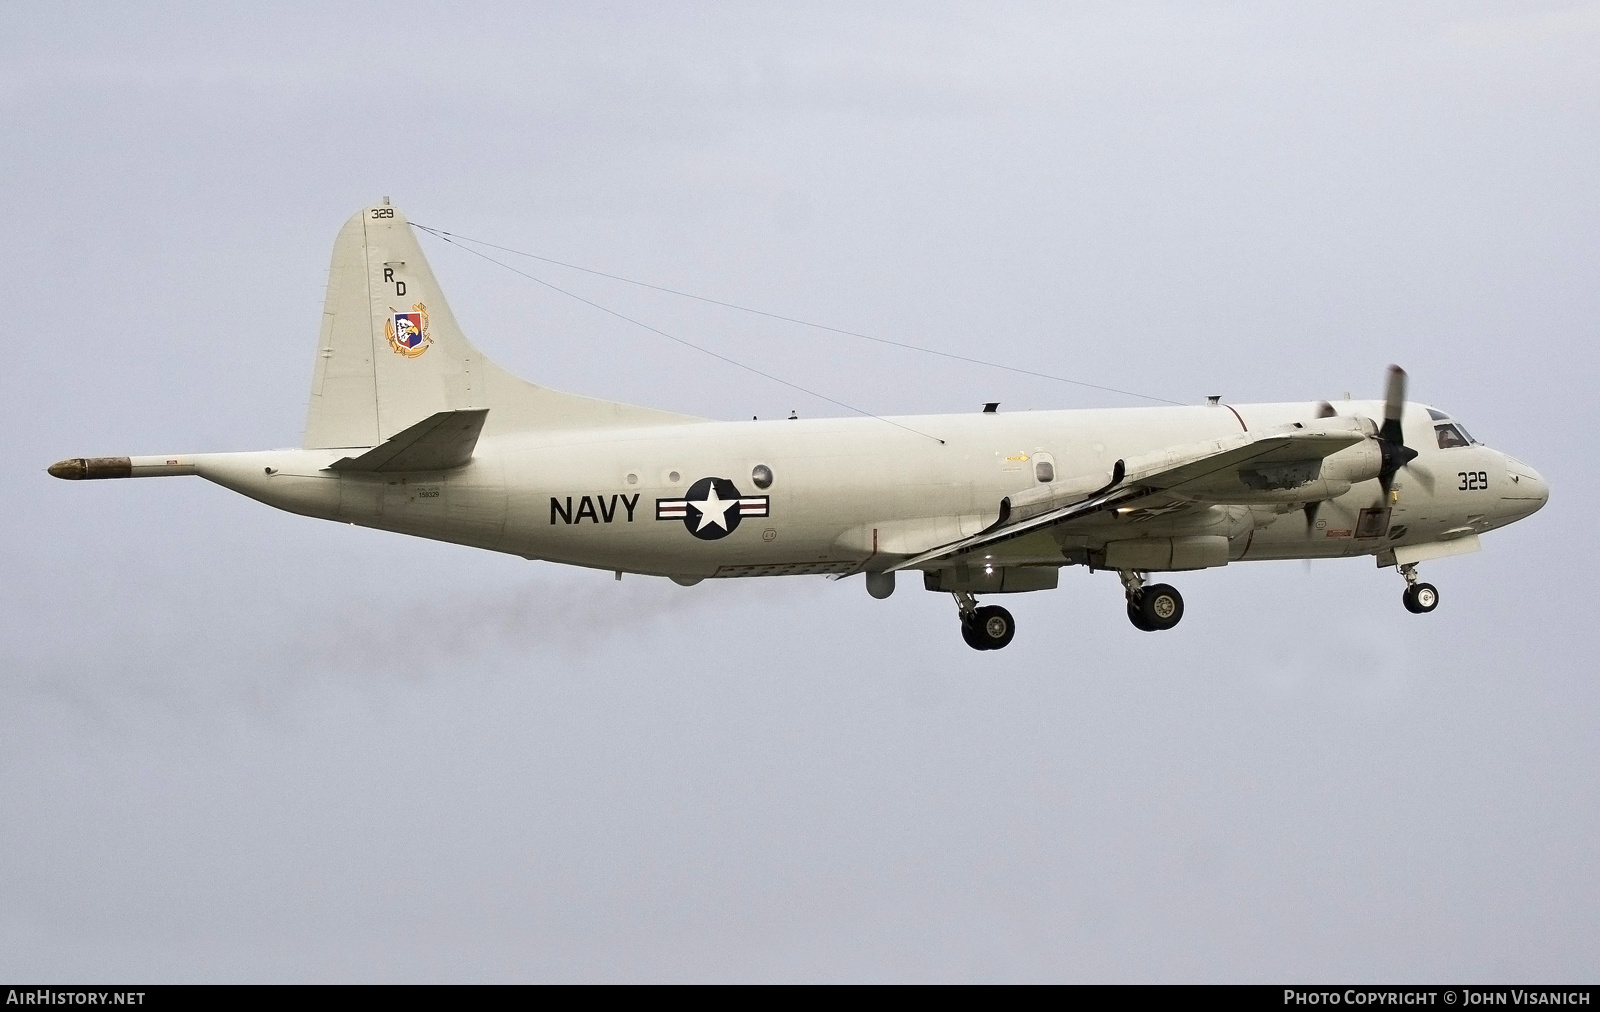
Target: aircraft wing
{"points": [[1214, 471]]}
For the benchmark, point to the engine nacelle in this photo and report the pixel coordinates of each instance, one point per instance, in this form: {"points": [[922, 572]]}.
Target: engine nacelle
{"points": [[1298, 481], [1270, 493], [1354, 464]]}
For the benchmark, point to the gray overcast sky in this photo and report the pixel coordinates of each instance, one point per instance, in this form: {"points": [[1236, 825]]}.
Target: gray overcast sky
{"points": [[241, 745]]}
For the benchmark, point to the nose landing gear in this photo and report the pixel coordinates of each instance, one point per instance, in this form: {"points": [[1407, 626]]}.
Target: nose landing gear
{"points": [[987, 628], [1419, 598], [1154, 608]]}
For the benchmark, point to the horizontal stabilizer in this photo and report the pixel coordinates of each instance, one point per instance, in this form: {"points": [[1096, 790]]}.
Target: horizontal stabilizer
{"points": [[437, 443]]}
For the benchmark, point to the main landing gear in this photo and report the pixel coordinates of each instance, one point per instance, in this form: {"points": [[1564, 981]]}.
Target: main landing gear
{"points": [[987, 628], [1419, 598], [1151, 608]]}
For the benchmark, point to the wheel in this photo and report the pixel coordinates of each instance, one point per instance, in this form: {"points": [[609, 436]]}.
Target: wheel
{"points": [[1421, 598], [969, 633], [991, 626], [1161, 606], [1136, 616]]}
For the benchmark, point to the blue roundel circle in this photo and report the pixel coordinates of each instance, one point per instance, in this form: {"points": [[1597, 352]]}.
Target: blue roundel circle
{"points": [[713, 509]]}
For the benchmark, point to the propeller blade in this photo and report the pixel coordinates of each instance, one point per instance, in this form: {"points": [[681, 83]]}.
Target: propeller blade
{"points": [[1391, 437], [1423, 476], [1394, 405], [1311, 514]]}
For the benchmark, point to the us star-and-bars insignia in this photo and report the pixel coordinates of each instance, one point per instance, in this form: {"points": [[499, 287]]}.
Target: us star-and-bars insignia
{"points": [[712, 509]]}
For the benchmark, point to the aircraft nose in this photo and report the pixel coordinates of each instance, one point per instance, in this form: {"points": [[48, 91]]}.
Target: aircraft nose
{"points": [[1526, 491], [1539, 486]]}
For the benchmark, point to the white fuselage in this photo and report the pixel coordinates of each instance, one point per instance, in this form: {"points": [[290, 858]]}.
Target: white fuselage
{"points": [[849, 494]]}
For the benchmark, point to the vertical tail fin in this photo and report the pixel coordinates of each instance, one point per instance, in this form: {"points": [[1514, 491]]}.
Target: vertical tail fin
{"points": [[391, 353]]}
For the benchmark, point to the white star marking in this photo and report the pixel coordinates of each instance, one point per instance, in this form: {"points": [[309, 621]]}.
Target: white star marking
{"points": [[1155, 511], [714, 510]]}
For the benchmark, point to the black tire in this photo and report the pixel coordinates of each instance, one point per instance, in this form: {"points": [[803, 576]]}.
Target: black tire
{"points": [[969, 634], [993, 626], [1136, 616], [1421, 598], [1161, 606]]}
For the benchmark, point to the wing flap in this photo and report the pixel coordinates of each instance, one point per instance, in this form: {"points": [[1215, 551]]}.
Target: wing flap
{"points": [[1105, 499]]}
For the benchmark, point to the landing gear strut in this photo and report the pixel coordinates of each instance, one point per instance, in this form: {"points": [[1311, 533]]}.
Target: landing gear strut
{"points": [[987, 628], [1419, 598], [1152, 608]]}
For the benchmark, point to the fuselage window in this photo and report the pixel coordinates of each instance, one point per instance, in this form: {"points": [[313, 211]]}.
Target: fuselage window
{"points": [[1044, 471], [1450, 436]]}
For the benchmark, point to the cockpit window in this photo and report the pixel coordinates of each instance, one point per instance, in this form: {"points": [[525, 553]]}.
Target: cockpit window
{"points": [[1463, 430], [1450, 436], [1437, 416]]}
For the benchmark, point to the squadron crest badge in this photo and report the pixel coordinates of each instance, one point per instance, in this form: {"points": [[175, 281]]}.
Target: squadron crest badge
{"points": [[408, 332]]}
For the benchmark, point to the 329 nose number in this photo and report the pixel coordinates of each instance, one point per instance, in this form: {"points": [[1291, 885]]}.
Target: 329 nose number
{"points": [[1472, 480]]}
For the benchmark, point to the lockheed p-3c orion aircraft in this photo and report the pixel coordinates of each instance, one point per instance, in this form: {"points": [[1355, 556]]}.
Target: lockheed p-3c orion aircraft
{"points": [[411, 429]]}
